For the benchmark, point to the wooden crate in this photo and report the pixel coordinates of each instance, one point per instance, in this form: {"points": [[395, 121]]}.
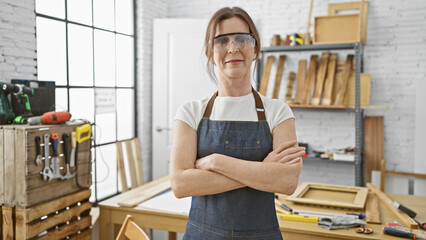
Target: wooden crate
{"points": [[23, 184], [1, 168], [337, 29], [65, 217]]}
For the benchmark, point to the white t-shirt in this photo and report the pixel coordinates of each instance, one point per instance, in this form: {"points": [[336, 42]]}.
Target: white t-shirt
{"points": [[234, 109]]}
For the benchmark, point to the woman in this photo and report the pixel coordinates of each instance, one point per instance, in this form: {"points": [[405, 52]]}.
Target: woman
{"points": [[233, 150]]}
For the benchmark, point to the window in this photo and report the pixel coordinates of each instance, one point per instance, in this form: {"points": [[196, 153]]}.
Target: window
{"points": [[87, 48]]}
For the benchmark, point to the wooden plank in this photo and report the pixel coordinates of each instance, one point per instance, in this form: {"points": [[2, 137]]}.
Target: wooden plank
{"points": [[328, 85], [301, 78], [265, 76], [319, 83], [140, 197], [343, 84], [138, 162], [362, 6], [403, 217], [372, 210], [62, 217], [349, 99], [337, 29], [290, 83], [9, 167], [373, 144], [310, 82], [307, 39], [120, 167], [330, 195], [20, 167], [68, 229], [278, 76], [131, 163], [8, 224]]}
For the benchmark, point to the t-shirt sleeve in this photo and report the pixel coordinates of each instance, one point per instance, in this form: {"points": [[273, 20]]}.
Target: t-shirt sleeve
{"points": [[186, 113], [279, 112]]}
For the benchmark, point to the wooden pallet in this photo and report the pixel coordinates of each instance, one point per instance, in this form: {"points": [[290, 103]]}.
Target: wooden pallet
{"points": [[66, 217], [23, 184]]}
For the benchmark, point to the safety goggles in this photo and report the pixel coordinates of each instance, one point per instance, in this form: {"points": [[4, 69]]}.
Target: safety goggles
{"points": [[242, 41]]}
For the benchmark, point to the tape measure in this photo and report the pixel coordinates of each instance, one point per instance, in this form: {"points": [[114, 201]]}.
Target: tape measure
{"points": [[296, 39], [83, 133]]}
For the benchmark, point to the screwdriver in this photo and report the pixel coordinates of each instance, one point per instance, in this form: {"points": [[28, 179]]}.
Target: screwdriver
{"points": [[399, 233]]}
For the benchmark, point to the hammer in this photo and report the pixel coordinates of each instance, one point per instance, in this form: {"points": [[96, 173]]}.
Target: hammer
{"points": [[66, 140]]}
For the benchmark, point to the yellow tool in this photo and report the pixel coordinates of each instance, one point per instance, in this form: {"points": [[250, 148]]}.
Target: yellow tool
{"points": [[83, 133], [297, 218]]}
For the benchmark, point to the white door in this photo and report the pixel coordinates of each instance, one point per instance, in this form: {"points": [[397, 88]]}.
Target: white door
{"points": [[178, 76]]}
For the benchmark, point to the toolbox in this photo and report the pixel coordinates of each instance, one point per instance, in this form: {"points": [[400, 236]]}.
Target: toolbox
{"points": [[23, 184]]}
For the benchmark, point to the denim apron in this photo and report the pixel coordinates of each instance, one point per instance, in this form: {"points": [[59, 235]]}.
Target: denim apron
{"points": [[243, 213]]}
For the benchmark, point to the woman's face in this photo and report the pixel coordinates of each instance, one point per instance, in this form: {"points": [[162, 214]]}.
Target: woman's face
{"points": [[233, 54]]}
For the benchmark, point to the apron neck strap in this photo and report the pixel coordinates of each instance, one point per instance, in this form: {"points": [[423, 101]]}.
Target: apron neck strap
{"points": [[260, 110]]}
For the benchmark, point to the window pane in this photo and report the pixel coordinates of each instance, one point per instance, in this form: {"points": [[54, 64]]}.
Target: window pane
{"points": [[125, 113], [106, 170], [61, 100], [104, 58], [103, 11], [80, 11], [54, 8], [51, 51], [124, 16], [105, 128], [82, 103], [125, 61], [80, 55]]}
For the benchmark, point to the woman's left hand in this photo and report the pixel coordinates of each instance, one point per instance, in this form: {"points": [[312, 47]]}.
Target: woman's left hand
{"points": [[205, 163]]}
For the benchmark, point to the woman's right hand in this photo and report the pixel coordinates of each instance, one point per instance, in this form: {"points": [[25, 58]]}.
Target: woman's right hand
{"points": [[287, 153]]}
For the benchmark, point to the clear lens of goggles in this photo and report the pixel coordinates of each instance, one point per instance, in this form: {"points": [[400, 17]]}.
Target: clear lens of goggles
{"points": [[242, 41]]}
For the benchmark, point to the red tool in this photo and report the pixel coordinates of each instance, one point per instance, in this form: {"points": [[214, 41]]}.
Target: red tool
{"points": [[50, 118]]}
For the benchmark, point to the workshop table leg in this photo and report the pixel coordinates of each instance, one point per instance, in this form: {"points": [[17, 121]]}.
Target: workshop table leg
{"points": [[172, 236]]}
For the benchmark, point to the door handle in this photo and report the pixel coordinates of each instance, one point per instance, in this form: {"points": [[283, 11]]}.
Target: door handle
{"points": [[160, 129]]}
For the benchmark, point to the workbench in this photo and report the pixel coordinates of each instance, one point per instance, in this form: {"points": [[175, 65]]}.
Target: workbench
{"points": [[111, 213]]}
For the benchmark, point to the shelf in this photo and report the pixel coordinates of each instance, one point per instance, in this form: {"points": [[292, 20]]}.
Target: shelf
{"points": [[309, 47], [322, 160]]}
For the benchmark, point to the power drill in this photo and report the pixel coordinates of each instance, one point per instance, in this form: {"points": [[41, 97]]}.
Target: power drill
{"points": [[22, 92], [6, 112]]}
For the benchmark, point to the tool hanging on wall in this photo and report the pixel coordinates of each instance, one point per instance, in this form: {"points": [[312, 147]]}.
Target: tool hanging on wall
{"points": [[47, 172], [66, 140], [83, 133], [38, 150], [54, 165]]}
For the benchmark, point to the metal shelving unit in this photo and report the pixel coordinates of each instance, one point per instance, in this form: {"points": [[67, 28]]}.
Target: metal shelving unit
{"points": [[358, 111]]}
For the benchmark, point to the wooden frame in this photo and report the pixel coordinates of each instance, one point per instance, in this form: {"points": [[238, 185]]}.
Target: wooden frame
{"points": [[338, 195]]}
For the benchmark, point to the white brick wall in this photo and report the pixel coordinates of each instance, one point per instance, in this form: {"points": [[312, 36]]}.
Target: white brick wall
{"points": [[17, 40], [395, 56]]}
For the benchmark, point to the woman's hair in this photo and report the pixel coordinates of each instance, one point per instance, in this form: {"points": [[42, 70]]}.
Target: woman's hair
{"points": [[222, 14]]}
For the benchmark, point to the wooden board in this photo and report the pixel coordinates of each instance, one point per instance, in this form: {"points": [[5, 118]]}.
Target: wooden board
{"points": [[57, 219], [342, 86], [265, 76], [330, 195], [329, 81], [300, 83], [138, 160], [374, 144], [146, 194], [349, 99], [403, 217], [319, 83], [310, 81], [337, 29], [1, 169], [290, 83], [278, 76], [362, 6], [372, 210], [23, 183], [120, 167]]}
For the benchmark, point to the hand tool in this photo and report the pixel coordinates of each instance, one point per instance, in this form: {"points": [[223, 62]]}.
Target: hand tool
{"points": [[83, 133], [38, 150], [405, 209], [50, 118], [359, 215], [73, 144], [320, 214], [55, 156], [47, 172], [364, 230], [297, 218], [400, 233], [6, 112], [66, 140]]}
